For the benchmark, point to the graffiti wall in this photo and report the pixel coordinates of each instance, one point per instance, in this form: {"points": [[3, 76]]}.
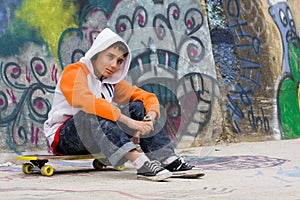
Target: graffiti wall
{"points": [[258, 61], [217, 67]]}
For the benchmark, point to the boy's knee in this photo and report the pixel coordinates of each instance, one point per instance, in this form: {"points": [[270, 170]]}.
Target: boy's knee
{"points": [[137, 110], [138, 105]]}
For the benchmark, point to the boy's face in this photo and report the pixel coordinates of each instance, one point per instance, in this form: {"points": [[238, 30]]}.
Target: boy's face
{"points": [[108, 62]]}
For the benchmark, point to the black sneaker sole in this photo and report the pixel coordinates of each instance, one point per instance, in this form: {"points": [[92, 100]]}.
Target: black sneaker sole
{"points": [[158, 177], [188, 174]]}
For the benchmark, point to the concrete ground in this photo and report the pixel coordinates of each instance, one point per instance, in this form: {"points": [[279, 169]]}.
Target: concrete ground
{"points": [[242, 171]]}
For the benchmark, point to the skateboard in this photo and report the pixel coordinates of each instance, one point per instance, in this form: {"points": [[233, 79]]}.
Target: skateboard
{"points": [[195, 173], [99, 163]]}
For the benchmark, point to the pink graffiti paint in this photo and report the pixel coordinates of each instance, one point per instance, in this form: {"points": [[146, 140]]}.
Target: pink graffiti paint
{"points": [[38, 67], [167, 59], [234, 162], [141, 65], [37, 130], [141, 19], [194, 52], [39, 104], [49, 149], [189, 108], [12, 96], [27, 74], [160, 31], [54, 74], [15, 70], [122, 27], [92, 35], [175, 13], [190, 23], [34, 135]]}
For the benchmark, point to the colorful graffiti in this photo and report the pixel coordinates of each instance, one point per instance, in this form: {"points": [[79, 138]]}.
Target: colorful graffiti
{"points": [[288, 90], [28, 68], [145, 31], [234, 162], [238, 45], [30, 23], [288, 95], [186, 94], [195, 55], [24, 103], [237, 48]]}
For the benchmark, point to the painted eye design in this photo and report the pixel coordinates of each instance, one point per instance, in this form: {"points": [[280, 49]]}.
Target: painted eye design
{"points": [[283, 17], [290, 17]]}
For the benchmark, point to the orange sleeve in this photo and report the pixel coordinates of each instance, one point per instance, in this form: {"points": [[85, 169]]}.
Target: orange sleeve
{"points": [[74, 86], [125, 93]]}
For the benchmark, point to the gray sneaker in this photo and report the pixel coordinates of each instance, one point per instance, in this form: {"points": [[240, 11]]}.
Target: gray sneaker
{"points": [[152, 170]]}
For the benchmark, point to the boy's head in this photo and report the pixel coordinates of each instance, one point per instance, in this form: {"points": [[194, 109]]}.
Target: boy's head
{"points": [[119, 45], [108, 61]]}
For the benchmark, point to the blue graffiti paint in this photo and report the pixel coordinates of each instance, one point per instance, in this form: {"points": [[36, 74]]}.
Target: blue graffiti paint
{"points": [[258, 173], [257, 121], [18, 34], [248, 72], [239, 74], [107, 6], [29, 107], [290, 173], [7, 13]]}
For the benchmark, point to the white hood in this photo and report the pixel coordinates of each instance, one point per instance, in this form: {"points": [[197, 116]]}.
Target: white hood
{"points": [[106, 38]]}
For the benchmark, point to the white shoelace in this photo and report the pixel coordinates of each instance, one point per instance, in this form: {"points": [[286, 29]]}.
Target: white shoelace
{"points": [[154, 166], [182, 162]]}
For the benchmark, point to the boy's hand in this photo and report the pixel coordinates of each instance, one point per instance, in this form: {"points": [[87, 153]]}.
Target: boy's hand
{"points": [[152, 115], [136, 137], [141, 127]]}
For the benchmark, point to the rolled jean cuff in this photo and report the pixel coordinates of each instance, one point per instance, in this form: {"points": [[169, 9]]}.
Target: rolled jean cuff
{"points": [[117, 158]]}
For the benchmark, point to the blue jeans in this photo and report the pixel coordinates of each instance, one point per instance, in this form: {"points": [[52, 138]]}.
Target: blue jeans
{"points": [[90, 134]]}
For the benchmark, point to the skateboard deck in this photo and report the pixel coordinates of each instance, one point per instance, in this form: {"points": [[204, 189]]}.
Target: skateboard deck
{"points": [[188, 174], [99, 162]]}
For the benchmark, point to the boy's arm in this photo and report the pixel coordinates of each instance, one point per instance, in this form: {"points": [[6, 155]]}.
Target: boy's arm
{"points": [[74, 86], [125, 93]]}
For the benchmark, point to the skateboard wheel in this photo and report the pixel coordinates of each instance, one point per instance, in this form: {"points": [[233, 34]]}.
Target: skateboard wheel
{"points": [[47, 170], [121, 167], [27, 168], [98, 165]]}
